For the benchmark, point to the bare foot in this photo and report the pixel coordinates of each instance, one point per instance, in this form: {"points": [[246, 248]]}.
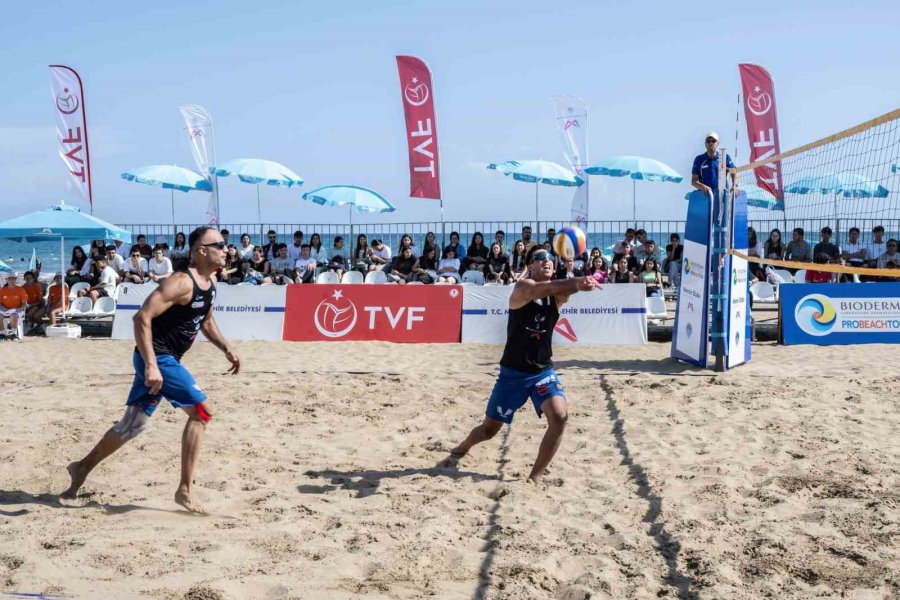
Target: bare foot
{"points": [[76, 472], [185, 498], [451, 461]]}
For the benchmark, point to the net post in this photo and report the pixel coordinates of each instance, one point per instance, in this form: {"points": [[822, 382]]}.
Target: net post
{"points": [[720, 224]]}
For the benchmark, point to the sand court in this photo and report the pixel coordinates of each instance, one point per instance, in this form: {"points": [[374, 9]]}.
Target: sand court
{"points": [[777, 479]]}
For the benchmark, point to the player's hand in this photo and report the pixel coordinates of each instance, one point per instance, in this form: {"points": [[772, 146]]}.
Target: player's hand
{"points": [[153, 379], [586, 284], [235, 361]]}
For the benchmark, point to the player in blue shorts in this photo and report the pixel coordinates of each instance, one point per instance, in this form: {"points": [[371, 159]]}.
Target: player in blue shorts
{"points": [[165, 327], [526, 369]]}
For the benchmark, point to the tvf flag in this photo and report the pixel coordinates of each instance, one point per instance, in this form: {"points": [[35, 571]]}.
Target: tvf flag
{"points": [[571, 117], [417, 94], [199, 127], [762, 126], [71, 127]]}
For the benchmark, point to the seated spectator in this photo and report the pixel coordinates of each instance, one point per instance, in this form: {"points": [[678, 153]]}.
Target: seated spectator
{"points": [[160, 266], [231, 272], [296, 245], [270, 250], [797, 249], [225, 233], [98, 248], [526, 237], [137, 269], [647, 250], [672, 264], [774, 247], [459, 251], [500, 238], [340, 259], [813, 276], [853, 253], [406, 241], [891, 255], [36, 307], [551, 235], [106, 282], [476, 254], [317, 250], [448, 268], [651, 278], [115, 261], [567, 270], [245, 251], [625, 246], [517, 265], [876, 247], [259, 264], [281, 268], [826, 247], [557, 263], [361, 254], [57, 299], [161, 244], [497, 267], [621, 273], [426, 270], [13, 300], [379, 255], [73, 272], [142, 246], [180, 254], [429, 243], [891, 266], [305, 266], [754, 249], [402, 271], [598, 269], [249, 274]]}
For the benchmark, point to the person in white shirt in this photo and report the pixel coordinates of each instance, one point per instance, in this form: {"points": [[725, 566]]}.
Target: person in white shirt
{"points": [[136, 268], [160, 266], [282, 267], [890, 255], [379, 254], [106, 283], [245, 250], [294, 250], [876, 247], [305, 266], [853, 253], [448, 268], [114, 261], [317, 250]]}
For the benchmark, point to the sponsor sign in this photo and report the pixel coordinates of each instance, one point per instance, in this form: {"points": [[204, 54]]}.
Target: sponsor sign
{"points": [[690, 339], [242, 312], [840, 313], [571, 119], [737, 315], [613, 315], [411, 314]]}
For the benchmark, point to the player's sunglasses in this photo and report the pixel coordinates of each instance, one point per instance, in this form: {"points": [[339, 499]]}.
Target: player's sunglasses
{"points": [[218, 245], [540, 255], [711, 141]]}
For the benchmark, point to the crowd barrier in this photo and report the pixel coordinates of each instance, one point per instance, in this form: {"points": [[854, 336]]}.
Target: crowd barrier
{"points": [[840, 313], [405, 314]]}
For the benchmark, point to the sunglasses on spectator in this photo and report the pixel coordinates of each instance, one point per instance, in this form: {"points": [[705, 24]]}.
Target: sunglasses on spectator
{"points": [[540, 255], [218, 245]]}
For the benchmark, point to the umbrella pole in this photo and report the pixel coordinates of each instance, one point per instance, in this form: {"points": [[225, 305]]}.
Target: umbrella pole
{"points": [[350, 206], [536, 184], [62, 269], [172, 198], [258, 209], [634, 203]]}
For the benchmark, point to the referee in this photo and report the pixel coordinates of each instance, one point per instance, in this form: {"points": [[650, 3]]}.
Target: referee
{"points": [[705, 172]]}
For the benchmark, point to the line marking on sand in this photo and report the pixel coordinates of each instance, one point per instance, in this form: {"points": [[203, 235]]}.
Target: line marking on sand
{"points": [[484, 572]]}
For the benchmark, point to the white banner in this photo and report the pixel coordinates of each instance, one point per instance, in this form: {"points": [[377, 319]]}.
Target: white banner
{"points": [[242, 312], [71, 127], [199, 127], [571, 117], [614, 315]]}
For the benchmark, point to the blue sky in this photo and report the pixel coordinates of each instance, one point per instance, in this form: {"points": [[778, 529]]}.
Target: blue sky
{"points": [[315, 86]]}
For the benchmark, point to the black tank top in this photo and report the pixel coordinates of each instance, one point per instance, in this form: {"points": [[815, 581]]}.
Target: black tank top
{"points": [[175, 330], [528, 334], [622, 277]]}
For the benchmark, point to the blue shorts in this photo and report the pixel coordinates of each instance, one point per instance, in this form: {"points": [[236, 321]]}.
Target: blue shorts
{"points": [[513, 388], [179, 386]]}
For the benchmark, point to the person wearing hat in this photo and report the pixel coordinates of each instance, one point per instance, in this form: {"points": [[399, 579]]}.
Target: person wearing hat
{"points": [[705, 172], [13, 300]]}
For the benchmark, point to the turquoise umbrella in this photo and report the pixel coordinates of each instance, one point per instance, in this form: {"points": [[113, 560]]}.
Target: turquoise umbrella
{"points": [[848, 185], [537, 172], [169, 177], [257, 171], [4, 267], [635, 167], [362, 199], [756, 197]]}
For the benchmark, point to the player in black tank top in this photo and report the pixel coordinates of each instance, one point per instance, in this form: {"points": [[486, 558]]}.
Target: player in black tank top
{"points": [[526, 368], [165, 327]]}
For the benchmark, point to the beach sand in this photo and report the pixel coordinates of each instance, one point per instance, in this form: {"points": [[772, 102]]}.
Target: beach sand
{"points": [[779, 479]]}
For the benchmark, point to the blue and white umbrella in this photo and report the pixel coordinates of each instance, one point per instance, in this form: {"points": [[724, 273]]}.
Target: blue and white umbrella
{"points": [[258, 171], [169, 177], [848, 185], [5, 267], [756, 197], [362, 199], [537, 172], [635, 167]]}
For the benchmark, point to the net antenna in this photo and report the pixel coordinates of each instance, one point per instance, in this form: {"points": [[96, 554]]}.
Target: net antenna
{"points": [[850, 179]]}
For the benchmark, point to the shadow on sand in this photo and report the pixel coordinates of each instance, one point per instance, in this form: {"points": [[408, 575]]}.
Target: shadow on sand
{"points": [[17, 497], [366, 483], [665, 366]]}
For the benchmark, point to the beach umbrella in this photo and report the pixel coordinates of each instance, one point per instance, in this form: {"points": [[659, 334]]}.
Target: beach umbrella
{"points": [[4, 267], [171, 178], [848, 185], [538, 172], [258, 171], [756, 197], [362, 199], [635, 167]]}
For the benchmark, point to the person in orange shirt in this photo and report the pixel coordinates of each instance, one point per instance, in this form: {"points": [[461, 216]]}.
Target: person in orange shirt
{"points": [[13, 300], [57, 298], [37, 308]]}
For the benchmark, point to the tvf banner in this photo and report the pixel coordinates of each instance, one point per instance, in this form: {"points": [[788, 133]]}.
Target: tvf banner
{"points": [[389, 313], [762, 125], [840, 313], [71, 127], [417, 93], [615, 314]]}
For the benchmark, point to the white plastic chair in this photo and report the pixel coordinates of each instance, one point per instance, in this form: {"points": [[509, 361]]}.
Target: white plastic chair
{"points": [[763, 293], [476, 277], [73, 291], [785, 275], [374, 277], [656, 308], [104, 307], [20, 325], [800, 276], [352, 277], [81, 307], [327, 277]]}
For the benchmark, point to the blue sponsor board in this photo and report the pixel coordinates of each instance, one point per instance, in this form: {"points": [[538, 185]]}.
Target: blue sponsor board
{"points": [[828, 314], [737, 312], [690, 341]]}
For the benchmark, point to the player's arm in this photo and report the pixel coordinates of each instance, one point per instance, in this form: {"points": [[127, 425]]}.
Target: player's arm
{"points": [[210, 329], [173, 290], [528, 290]]}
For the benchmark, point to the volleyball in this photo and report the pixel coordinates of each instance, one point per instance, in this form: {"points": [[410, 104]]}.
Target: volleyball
{"points": [[569, 242]]}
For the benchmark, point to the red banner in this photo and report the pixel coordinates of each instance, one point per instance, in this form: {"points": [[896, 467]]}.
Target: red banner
{"points": [[417, 93], [71, 127], [762, 126], [388, 313]]}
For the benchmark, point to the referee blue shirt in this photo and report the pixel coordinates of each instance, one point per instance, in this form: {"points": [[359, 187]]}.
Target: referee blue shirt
{"points": [[708, 169]]}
